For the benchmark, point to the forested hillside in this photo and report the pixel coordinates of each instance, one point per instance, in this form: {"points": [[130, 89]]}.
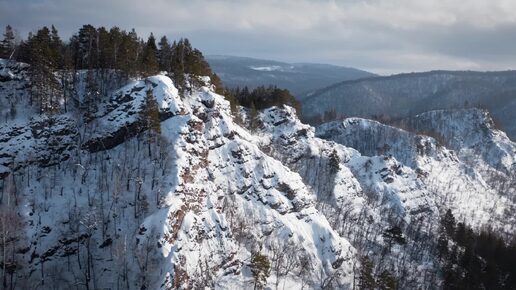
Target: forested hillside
{"points": [[298, 78], [404, 95]]}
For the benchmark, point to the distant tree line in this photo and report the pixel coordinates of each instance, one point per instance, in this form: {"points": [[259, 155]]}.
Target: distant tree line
{"points": [[261, 97], [258, 99]]}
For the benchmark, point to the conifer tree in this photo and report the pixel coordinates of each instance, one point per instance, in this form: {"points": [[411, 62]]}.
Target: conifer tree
{"points": [[260, 266], [366, 280], [115, 41], [164, 54], [105, 48], [124, 57], [386, 281], [178, 65], [56, 49], [233, 103], [217, 82], [150, 64], [448, 223], [87, 47], [334, 162], [133, 49], [151, 113], [43, 63], [442, 245], [8, 44], [461, 234], [150, 119]]}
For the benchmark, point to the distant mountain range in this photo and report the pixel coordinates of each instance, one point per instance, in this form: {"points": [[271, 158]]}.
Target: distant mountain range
{"points": [[298, 78], [406, 95]]}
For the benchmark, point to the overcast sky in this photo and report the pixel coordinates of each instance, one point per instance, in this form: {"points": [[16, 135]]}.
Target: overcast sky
{"points": [[382, 36]]}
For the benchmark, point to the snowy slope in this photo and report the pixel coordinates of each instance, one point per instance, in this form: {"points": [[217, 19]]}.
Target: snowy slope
{"points": [[457, 183], [362, 197], [188, 210], [106, 204], [45, 141], [473, 135]]}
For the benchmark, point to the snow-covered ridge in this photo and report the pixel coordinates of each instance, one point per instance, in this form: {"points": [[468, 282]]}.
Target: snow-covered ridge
{"points": [[118, 119], [356, 192], [460, 175], [109, 206], [472, 131], [373, 138], [296, 144], [197, 204]]}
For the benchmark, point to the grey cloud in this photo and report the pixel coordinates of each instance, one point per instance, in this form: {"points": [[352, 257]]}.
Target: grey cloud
{"points": [[384, 36]]}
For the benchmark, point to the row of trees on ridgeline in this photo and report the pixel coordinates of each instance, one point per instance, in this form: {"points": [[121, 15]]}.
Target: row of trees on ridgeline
{"points": [[94, 48], [261, 97], [101, 49], [258, 99]]}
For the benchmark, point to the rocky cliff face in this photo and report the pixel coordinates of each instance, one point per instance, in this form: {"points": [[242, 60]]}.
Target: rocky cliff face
{"points": [[468, 169], [474, 136], [104, 202], [103, 205], [362, 197]]}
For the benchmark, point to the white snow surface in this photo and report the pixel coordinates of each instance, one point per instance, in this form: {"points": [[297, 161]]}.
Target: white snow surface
{"points": [[196, 210], [456, 176], [267, 68], [189, 209]]}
